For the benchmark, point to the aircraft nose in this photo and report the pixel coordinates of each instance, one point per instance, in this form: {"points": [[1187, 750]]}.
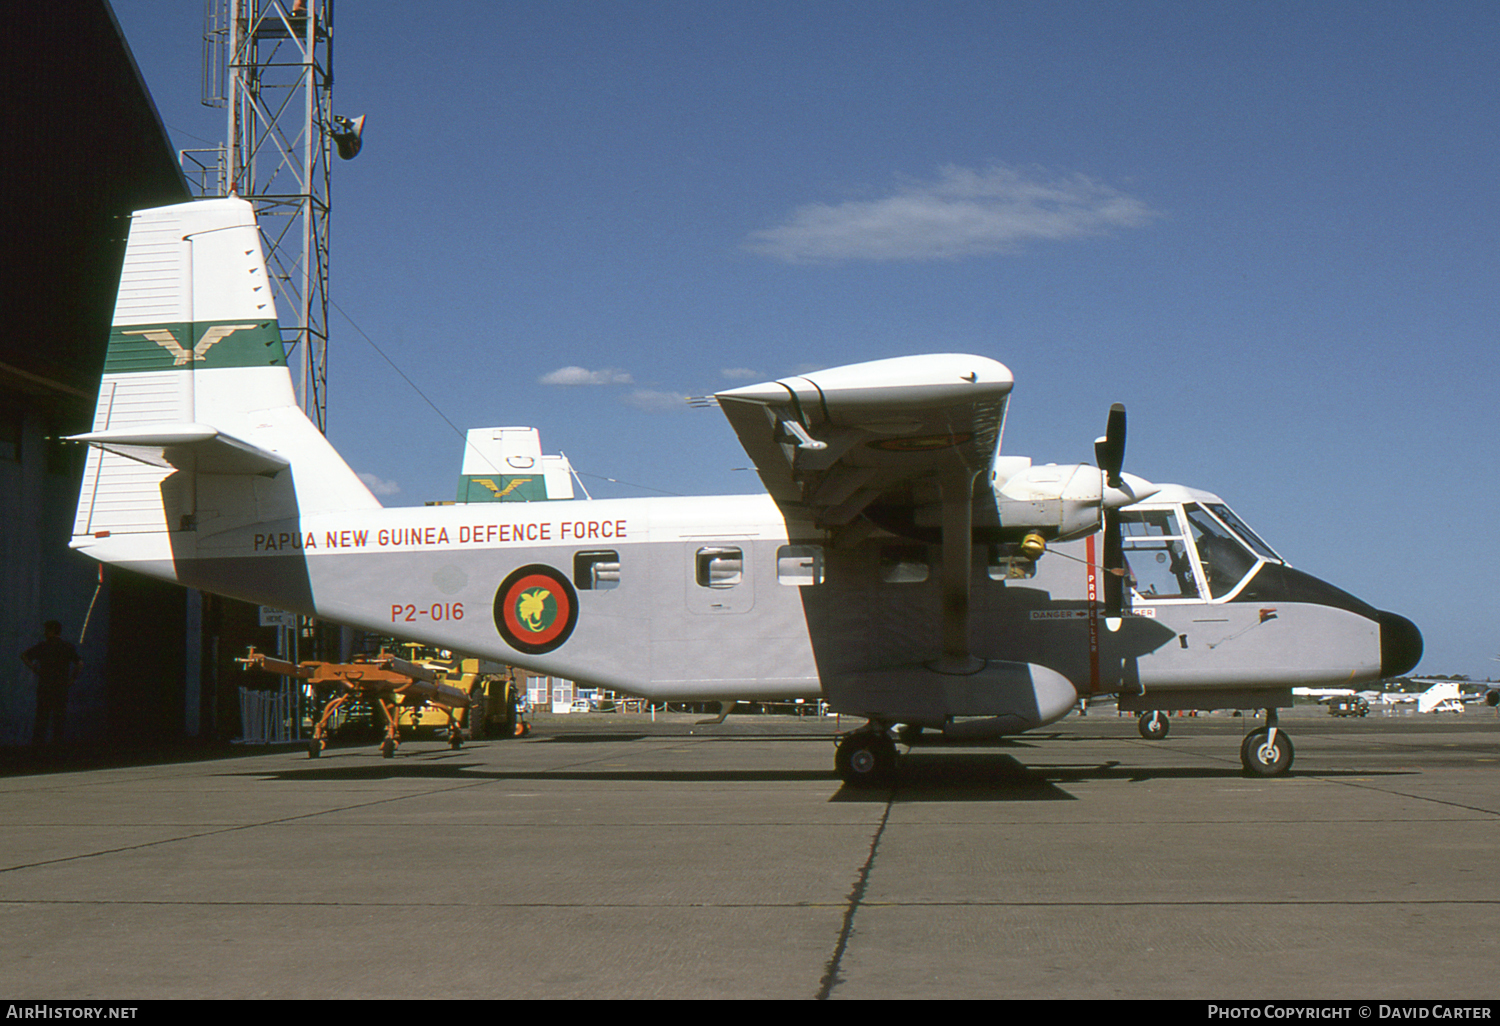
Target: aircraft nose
{"points": [[1400, 644]]}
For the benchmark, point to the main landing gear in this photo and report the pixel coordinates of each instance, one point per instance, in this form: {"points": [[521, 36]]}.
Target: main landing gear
{"points": [[1266, 752], [1154, 725], [866, 757]]}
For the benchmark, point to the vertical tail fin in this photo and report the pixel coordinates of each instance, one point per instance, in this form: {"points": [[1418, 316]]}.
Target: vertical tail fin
{"points": [[197, 427]]}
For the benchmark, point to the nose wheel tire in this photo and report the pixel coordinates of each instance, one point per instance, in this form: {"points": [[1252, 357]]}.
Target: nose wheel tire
{"points": [[1154, 726], [1263, 757], [866, 759]]}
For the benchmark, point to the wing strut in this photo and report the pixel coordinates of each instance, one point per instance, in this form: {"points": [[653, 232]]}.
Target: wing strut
{"points": [[958, 556]]}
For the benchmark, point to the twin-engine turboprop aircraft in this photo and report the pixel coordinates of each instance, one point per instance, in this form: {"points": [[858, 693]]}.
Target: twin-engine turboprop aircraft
{"points": [[899, 568]]}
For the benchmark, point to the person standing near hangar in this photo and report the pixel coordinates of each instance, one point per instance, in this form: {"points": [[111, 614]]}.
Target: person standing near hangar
{"points": [[56, 664]]}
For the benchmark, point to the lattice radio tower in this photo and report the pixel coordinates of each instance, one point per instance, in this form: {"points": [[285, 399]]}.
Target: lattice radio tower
{"points": [[269, 64]]}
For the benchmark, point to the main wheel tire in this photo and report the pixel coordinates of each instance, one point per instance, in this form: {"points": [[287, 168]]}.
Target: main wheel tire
{"points": [[866, 759], [1261, 759], [474, 718], [1154, 726]]}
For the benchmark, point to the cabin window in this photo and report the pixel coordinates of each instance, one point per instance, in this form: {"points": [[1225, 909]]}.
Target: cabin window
{"points": [[1156, 555], [719, 566], [1006, 563], [799, 565], [596, 571], [903, 564]]}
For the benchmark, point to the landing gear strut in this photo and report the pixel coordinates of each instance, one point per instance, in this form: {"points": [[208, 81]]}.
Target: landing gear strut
{"points": [[866, 758], [1266, 752]]}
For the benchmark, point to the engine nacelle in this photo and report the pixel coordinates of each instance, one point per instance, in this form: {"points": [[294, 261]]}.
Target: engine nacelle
{"points": [[1061, 500]]}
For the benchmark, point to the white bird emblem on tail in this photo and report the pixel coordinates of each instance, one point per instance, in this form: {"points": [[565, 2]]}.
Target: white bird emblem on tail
{"points": [[181, 356]]}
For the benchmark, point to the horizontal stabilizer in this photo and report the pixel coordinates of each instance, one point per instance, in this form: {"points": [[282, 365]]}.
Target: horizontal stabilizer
{"points": [[193, 447]]}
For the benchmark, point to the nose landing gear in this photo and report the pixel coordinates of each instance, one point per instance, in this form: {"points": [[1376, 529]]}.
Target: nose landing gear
{"points": [[1266, 752], [1154, 725]]}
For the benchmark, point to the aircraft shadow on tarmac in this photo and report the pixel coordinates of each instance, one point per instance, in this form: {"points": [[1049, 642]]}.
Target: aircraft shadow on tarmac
{"points": [[994, 777], [398, 769], [701, 734], [583, 739], [986, 776]]}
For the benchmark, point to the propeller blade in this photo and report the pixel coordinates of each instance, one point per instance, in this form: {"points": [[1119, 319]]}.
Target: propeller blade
{"points": [[1109, 451], [1114, 565]]}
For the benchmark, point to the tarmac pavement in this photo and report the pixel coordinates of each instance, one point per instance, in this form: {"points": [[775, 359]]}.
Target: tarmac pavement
{"points": [[607, 856]]}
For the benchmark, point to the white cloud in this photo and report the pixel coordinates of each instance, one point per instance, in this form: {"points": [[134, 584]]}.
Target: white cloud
{"points": [[584, 376], [962, 213], [655, 401], [380, 486], [740, 374]]}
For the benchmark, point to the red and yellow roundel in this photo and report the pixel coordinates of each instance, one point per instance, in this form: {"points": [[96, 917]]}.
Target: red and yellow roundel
{"points": [[536, 609]]}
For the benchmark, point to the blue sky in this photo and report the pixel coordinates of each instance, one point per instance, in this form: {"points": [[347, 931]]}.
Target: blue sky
{"points": [[1270, 229]]}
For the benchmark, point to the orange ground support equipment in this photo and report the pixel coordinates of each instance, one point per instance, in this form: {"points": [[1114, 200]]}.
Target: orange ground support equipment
{"points": [[398, 687]]}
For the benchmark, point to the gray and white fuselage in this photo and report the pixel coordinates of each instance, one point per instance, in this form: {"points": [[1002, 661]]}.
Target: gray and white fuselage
{"points": [[666, 624]]}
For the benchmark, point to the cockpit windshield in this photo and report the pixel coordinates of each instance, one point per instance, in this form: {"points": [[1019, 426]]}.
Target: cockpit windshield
{"points": [[1225, 559], [1160, 543], [1239, 527]]}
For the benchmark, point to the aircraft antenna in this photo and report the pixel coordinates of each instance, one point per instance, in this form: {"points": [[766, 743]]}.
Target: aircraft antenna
{"points": [[581, 485]]}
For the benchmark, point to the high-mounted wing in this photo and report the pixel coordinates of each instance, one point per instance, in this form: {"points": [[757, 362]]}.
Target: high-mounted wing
{"points": [[889, 434]]}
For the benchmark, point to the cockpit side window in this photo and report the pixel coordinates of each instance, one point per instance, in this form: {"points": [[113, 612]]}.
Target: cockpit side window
{"points": [[1225, 559], [1156, 555]]}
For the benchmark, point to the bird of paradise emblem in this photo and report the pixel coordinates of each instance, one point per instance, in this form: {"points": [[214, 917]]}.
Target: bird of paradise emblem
{"points": [[536, 609]]}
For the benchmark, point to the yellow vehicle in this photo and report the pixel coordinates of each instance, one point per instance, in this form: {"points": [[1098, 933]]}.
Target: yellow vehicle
{"points": [[495, 691]]}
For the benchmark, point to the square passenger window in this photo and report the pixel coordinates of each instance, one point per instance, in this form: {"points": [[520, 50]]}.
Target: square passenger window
{"points": [[903, 564], [596, 571], [719, 567], [1006, 563], [799, 565]]}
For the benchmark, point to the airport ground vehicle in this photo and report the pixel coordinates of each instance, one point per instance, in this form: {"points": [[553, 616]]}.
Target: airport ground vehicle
{"points": [[1351, 706], [384, 689]]}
